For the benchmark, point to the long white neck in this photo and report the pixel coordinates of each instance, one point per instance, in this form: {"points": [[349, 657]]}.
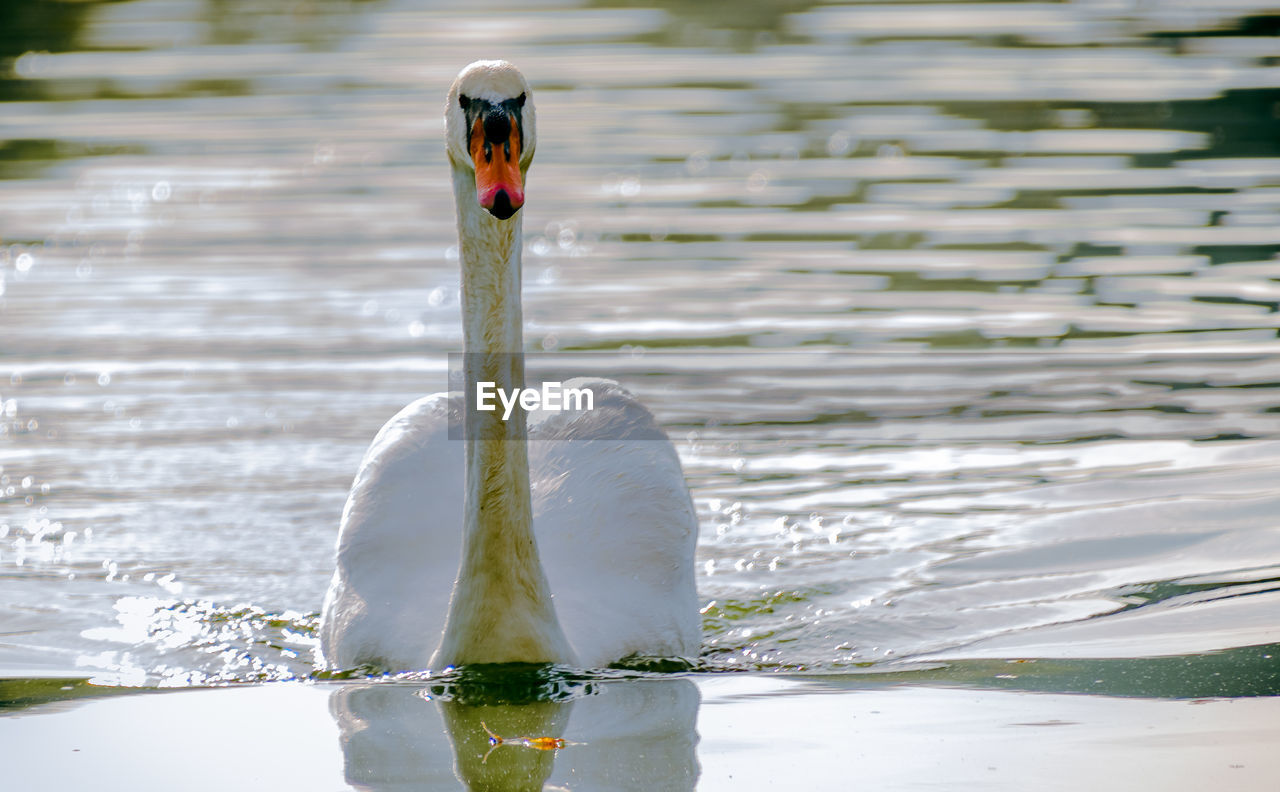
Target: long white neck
{"points": [[501, 610]]}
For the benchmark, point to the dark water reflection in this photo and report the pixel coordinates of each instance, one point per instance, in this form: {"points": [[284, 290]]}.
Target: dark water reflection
{"points": [[963, 316]]}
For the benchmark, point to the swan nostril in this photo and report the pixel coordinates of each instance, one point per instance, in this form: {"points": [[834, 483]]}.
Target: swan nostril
{"points": [[502, 207]]}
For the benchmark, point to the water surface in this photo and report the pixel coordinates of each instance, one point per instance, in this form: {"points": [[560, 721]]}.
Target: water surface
{"points": [[963, 317]]}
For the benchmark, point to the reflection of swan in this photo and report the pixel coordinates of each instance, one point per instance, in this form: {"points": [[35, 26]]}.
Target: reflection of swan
{"points": [[627, 735], [606, 502]]}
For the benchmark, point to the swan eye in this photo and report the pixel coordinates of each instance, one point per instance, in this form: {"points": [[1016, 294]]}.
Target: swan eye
{"points": [[464, 102], [520, 100]]}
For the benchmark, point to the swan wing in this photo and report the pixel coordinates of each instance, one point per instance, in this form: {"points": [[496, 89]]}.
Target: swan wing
{"points": [[616, 528], [613, 519], [399, 543]]}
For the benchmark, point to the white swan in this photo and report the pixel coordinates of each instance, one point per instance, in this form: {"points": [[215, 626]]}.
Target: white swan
{"points": [[566, 540]]}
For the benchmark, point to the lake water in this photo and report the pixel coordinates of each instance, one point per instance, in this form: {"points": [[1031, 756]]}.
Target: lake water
{"points": [[962, 316]]}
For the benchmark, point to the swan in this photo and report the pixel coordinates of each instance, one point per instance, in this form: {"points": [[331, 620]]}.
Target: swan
{"points": [[558, 537]]}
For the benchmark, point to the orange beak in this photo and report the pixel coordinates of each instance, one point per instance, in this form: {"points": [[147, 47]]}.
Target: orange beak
{"points": [[499, 184]]}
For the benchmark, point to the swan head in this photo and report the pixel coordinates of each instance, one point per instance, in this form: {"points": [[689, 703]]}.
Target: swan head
{"points": [[489, 130]]}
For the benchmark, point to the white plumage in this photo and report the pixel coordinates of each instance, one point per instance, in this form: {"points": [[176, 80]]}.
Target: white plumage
{"points": [[427, 577]]}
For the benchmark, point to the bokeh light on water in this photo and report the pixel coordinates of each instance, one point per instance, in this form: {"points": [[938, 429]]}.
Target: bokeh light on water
{"points": [[963, 315]]}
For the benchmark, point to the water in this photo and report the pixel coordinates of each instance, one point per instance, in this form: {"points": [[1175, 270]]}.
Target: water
{"points": [[963, 317], [757, 732]]}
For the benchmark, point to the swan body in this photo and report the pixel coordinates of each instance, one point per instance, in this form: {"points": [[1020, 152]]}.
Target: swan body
{"points": [[562, 536]]}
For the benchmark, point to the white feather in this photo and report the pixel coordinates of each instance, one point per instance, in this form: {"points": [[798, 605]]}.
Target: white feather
{"points": [[605, 505], [613, 520]]}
